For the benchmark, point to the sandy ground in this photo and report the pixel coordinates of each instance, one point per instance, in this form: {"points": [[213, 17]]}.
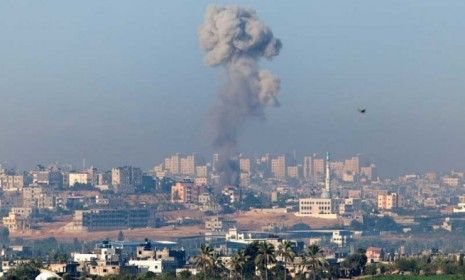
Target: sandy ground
{"points": [[56, 230], [256, 220], [251, 220]]}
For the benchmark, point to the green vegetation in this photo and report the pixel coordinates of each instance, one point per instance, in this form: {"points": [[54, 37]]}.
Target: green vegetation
{"points": [[263, 261], [417, 277], [24, 271]]}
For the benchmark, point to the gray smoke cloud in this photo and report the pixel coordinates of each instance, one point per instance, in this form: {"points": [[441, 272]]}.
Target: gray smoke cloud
{"points": [[235, 38]]}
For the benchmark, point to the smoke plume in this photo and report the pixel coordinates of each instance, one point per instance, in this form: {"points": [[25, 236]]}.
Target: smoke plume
{"points": [[235, 38]]}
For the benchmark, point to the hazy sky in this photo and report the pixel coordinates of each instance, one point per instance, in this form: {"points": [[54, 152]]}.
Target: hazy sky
{"points": [[123, 82]]}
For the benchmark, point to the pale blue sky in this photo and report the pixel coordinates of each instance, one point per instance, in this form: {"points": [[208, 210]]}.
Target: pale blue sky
{"points": [[122, 82]]}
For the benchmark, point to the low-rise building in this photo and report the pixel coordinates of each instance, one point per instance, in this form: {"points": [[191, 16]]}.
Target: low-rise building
{"points": [[341, 237], [111, 219], [16, 222], [317, 207], [452, 181], [12, 182], [217, 224], [104, 268], [388, 201], [153, 265], [374, 254], [185, 192], [82, 178], [38, 197]]}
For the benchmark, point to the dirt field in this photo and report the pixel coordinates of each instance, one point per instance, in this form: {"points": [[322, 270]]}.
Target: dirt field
{"points": [[56, 230], [256, 220], [252, 220]]}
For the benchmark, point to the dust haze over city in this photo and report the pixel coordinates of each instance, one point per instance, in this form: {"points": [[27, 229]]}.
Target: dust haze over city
{"points": [[86, 74], [232, 139]]}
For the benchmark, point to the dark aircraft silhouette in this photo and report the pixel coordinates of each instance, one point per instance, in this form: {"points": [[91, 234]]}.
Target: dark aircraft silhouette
{"points": [[362, 110]]}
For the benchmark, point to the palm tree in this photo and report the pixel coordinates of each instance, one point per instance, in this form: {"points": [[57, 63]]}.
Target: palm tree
{"points": [[206, 260], [220, 268], [237, 263], [313, 254], [265, 256], [286, 253]]}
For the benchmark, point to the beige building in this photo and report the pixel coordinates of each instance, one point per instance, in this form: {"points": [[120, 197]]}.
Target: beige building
{"points": [[159, 171], [17, 222], [388, 201], [40, 177], [126, 179], [79, 178], [337, 167], [214, 224], [278, 167], [348, 176], [293, 172], [246, 169], [431, 176], [369, 172], [187, 165], [317, 207], [185, 192], [201, 181], [318, 167], [104, 268], [37, 197], [172, 164], [451, 181], [374, 254], [352, 165], [244, 165], [201, 171], [11, 182], [22, 211]]}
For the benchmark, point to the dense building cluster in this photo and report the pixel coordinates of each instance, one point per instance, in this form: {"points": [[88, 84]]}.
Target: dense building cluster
{"points": [[338, 204]]}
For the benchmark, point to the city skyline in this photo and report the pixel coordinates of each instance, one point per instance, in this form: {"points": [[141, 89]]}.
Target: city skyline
{"points": [[232, 139], [109, 84], [292, 159]]}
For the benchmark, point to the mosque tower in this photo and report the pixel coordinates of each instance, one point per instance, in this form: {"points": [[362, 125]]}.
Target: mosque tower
{"points": [[327, 192]]}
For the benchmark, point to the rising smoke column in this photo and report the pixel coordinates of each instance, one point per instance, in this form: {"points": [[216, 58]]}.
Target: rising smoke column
{"points": [[235, 38]]}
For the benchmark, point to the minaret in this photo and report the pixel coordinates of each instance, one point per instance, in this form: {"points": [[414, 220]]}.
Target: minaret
{"points": [[327, 192]]}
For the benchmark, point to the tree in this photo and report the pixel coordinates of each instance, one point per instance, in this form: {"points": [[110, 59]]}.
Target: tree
{"points": [[313, 255], [238, 262], [371, 269], [406, 264], [219, 268], [206, 260], [120, 236], [286, 253], [24, 271], [251, 251], [185, 275], [300, 226], [355, 263], [4, 236], [265, 257]]}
